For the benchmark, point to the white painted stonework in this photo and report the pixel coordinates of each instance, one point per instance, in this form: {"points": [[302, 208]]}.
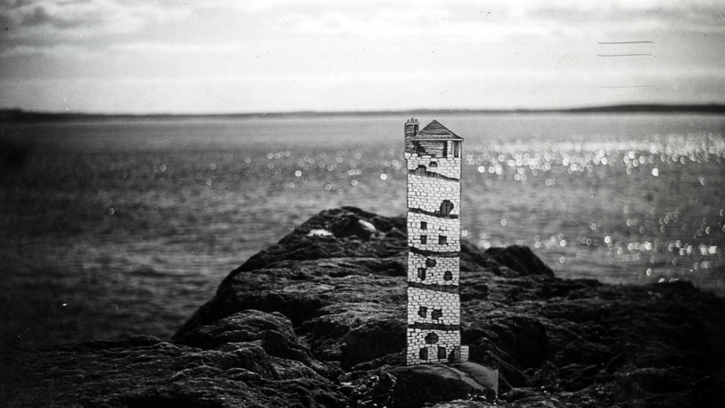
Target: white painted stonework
{"points": [[433, 159], [449, 167], [427, 193], [433, 275], [435, 228], [447, 304]]}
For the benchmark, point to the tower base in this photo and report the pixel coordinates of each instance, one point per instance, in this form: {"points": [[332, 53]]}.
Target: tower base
{"points": [[436, 354]]}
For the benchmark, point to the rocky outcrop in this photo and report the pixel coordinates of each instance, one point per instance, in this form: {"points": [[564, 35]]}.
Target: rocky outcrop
{"points": [[318, 320], [267, 369]]}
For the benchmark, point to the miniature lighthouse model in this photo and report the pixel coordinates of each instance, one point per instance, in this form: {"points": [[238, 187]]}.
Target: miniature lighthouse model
{"points": [[433, 157]]}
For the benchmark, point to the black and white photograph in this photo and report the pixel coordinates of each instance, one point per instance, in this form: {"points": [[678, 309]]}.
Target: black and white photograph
{"points": [[371, 203]]}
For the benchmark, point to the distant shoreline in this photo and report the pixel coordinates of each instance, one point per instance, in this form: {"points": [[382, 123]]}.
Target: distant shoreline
{"points": [[9, 116]]}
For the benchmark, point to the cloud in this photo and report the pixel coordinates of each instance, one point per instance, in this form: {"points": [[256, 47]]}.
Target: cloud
{"points": [[469, 20], [325, 54], [52, 21], [634, 16]]}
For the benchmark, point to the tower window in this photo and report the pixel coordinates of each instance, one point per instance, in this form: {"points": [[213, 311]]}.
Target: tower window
{"points": [[433, 164], [423, 312], [423, 353], [423, 239], [446, 207], [423, 225], [421, 273], [441, 353], [431, 338], [448, 276], [430, 262], [442, 240], [436, 314]]}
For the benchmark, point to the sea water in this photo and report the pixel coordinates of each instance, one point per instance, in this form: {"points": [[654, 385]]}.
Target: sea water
{"points": [[117, 227]]}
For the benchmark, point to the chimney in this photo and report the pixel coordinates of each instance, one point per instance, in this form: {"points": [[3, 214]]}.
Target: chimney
{"points": [[411, 129]]}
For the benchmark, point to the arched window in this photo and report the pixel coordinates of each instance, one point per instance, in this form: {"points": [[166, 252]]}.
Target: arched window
{"points": [[447, 276], [436, 314], [446, 207], [421, 273], [430, 262], [431, 338]]}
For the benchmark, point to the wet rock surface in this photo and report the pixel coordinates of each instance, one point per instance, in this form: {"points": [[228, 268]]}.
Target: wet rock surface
{"points": [[318, 320]]}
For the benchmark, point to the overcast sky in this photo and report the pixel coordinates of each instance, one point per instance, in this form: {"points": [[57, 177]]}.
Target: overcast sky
{"points": [[223, 56]]}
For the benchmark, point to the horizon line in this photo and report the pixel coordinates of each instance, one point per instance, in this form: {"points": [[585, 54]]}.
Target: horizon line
{"points": [[9, 113]]}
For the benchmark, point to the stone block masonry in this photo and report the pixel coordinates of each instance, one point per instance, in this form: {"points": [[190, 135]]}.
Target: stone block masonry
{"points": [[432, 270], [434, 346], [428, 194], [433, 160], [434, 308], [433, 230], [450, 168]]}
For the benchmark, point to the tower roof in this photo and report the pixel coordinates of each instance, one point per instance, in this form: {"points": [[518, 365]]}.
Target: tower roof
{"points": [[436, 131]]}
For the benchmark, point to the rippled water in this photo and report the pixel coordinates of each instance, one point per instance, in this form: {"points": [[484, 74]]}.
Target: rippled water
{"points": [[117, 228]]}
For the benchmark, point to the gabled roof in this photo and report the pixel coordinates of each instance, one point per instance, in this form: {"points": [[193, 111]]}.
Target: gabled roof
{"points": [[436, 131]]}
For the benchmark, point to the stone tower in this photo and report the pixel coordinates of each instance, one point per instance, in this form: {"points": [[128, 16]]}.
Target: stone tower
{"points": [[433, 157]]}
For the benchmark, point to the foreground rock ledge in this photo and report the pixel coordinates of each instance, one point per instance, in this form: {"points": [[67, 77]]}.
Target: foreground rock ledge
{"points": [[318, 320]]}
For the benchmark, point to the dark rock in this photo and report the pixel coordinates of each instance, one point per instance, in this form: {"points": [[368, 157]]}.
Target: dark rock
{"points": [[653, 387], [485, 351], [352, 225], [373, 391], [416, 385], [520, 259], [517, 394], [129, 374], [247, 325], [521, 337], [575, 377], [386, 224], [709, 392], [393, 359], [372, 340], [581, 351], [334, 297], [303, 244], [271, 331], [396, 234]]}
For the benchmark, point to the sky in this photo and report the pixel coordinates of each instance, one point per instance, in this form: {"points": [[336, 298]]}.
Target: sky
{"points": [[232, 56]]}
